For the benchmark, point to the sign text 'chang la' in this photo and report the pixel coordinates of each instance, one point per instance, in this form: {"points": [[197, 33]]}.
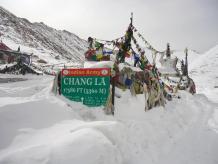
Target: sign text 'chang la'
{"points": [[84, 81]]}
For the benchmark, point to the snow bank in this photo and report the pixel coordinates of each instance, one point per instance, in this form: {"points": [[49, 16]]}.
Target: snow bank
{"points": [[68, 142], [43, 129]]}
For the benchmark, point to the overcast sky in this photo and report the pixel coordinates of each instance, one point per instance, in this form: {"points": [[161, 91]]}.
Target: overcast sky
{"points": [[182, 23]]}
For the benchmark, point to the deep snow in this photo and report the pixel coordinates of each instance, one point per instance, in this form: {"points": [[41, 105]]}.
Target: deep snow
{"points": [[39, 128]]}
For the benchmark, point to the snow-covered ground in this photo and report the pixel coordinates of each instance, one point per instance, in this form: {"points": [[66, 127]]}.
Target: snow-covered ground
{"points": [[37, 127]]}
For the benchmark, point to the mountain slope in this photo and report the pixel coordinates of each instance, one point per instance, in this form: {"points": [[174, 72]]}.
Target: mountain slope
{"points": [[40, 36], [204, 72]]}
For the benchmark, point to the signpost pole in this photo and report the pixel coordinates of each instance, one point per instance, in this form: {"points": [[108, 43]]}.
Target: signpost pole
{"points": [[113, 95]]}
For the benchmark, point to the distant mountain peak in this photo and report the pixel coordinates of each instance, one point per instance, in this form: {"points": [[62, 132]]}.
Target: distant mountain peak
{"points": [[23, 32]]}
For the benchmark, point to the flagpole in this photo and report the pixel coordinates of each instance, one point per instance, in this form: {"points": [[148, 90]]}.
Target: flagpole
{"points": [[131, 19]]}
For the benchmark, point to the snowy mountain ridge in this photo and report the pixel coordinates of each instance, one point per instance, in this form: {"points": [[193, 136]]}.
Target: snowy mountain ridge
{"points": [[204, 72], [209, 56], [20, 31]]}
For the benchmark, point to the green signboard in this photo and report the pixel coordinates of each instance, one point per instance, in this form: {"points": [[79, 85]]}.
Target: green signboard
{"points": [[91, 86]]}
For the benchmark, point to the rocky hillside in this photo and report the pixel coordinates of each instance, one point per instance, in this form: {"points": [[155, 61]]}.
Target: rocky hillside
{"points": [[40, 36]]}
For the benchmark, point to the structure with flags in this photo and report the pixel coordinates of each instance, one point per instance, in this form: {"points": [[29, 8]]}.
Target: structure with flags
{"points": [[132, 70], [15, 62]]}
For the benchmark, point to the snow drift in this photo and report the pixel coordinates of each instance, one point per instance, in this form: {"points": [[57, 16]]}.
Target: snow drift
{"points": [[37, 127]]}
